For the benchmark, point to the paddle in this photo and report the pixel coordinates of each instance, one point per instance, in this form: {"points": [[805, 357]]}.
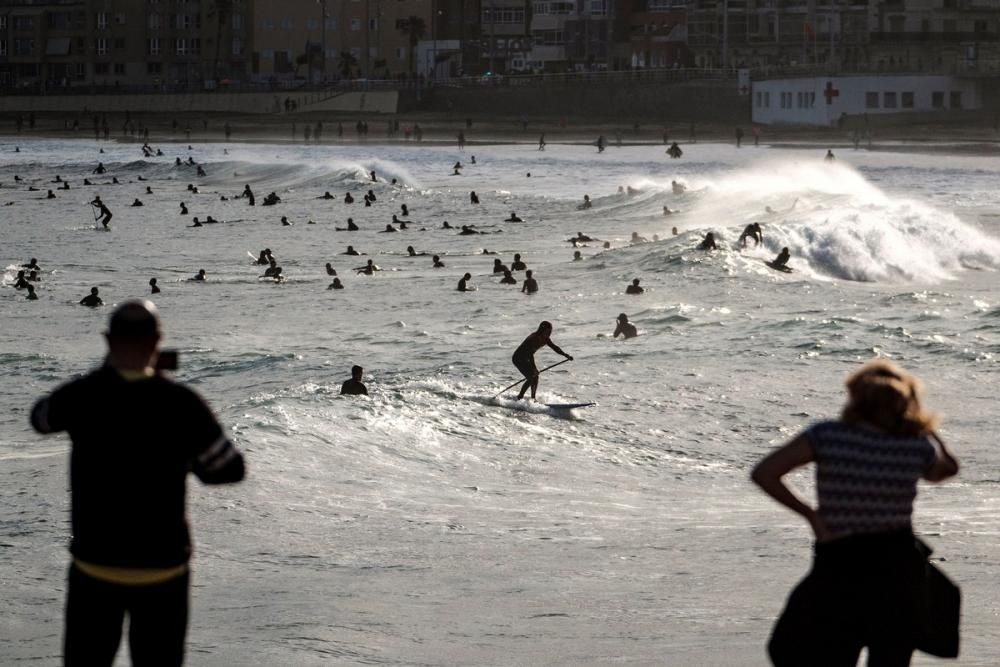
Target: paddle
{"points": [[558, 363]]}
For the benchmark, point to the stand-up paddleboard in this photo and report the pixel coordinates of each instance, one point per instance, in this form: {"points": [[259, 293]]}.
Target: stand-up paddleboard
{"points": [[568, 406], [778, 267]]}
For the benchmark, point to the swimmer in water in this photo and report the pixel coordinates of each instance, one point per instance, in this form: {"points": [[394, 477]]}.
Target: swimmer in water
{"points": [[153, 289], [195, 222], [336, 284], [580, 238], [20, 282], [667, 211], [388, 228], [498, 266], [330, 271], [262, 259], [351, 251], [404, 210], [99, 169], [463, 284], [577, 256], [284, 222], [678, 188], [326, 195], [508, 279], [413, 253], [348, 199], [351, 227], [184, 209], [50, 195], [32, 265], [467, 231], [92, 300], [638, 239], [354, 386], [530, 285], [473, 197], [445, 225], [634, 288], [753, 231], [708, 243], [137, 202], [438, 264], [200, 276], [624, 328], [586, 203], [371, 196], [513, 218], [517, 264]]}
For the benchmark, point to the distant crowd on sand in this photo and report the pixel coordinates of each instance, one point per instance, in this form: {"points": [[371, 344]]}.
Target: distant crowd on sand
{"points": [[871, 584]]}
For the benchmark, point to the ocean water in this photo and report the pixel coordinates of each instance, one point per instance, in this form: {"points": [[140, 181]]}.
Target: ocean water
{"points": [[430, 524]]}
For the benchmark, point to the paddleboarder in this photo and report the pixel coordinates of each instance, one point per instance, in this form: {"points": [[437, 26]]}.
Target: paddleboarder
{"points": [[524, 357]]}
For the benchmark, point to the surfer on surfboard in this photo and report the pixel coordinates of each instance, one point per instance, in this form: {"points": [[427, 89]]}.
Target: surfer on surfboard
{"points": [[524, 357], [781, 261]]}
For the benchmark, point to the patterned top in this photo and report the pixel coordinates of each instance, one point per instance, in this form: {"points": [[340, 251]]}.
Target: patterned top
{"points": [[866, 480]]}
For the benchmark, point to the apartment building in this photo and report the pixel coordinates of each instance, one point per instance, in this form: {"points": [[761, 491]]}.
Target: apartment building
{"points": [[188, 44], [654, 35], [326, 40]]}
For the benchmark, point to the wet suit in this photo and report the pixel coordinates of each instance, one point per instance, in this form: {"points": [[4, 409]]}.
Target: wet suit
{"points": [[524, 359], [105, 213], [130, 539]]}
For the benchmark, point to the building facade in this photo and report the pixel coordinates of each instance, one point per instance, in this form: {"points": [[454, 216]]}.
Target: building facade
{"points": [[823, 101], [58, 44], [327, 40]]}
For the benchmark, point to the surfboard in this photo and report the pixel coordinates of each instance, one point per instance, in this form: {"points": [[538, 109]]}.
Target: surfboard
{"points": [[776, 267], [568, 406]]}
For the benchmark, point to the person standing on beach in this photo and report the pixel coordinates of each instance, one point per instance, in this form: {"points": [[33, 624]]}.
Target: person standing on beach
{"points": [[868, 586], [135, 435], [461, 140], [524, 357], [541, 142]]}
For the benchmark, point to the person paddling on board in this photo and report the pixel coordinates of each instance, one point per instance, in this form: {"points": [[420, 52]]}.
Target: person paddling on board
{"points": [[781, 261], [754, 232], [105, 214], [708, 243], [524, 357], [354, 386]]}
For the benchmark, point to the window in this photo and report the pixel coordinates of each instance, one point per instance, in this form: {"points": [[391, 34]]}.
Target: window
{"points": [[3, 47], [550, 37], [871, 100], [355, 25], [767, 100], [400, 53], [101, 47], [153, 21], [760, 98], [956, 99], [119, 68], [907, 100], [237, 46], [154, 68], [153, 46], [180, 46], [119, 43], [3, 22], [508, 15], [598, 7], [102, 68], [102, 20], [267, 54], [372, 25], [195, 46], [237, 21], [889, 100], [24, 22], [937, 100]]}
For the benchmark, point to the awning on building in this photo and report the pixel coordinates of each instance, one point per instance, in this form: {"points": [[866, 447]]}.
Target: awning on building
{"points": [[57, 46]]}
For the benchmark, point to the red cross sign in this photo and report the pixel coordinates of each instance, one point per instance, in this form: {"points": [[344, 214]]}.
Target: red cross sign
{"points": [[830, 92]]}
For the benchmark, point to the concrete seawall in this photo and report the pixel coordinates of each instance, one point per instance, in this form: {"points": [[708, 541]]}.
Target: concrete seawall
{"points": [[704, 101], [221, 102]]}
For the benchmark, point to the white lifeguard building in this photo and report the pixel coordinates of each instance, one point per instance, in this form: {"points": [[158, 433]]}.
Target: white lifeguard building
{"points": [[823, 100]]}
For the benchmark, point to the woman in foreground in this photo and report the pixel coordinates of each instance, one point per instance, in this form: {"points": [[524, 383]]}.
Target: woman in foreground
{"points": [[870, 584]]}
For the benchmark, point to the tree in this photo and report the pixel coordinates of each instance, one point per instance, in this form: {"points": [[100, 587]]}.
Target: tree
{"points": [[414, 29], [346, 63]]}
